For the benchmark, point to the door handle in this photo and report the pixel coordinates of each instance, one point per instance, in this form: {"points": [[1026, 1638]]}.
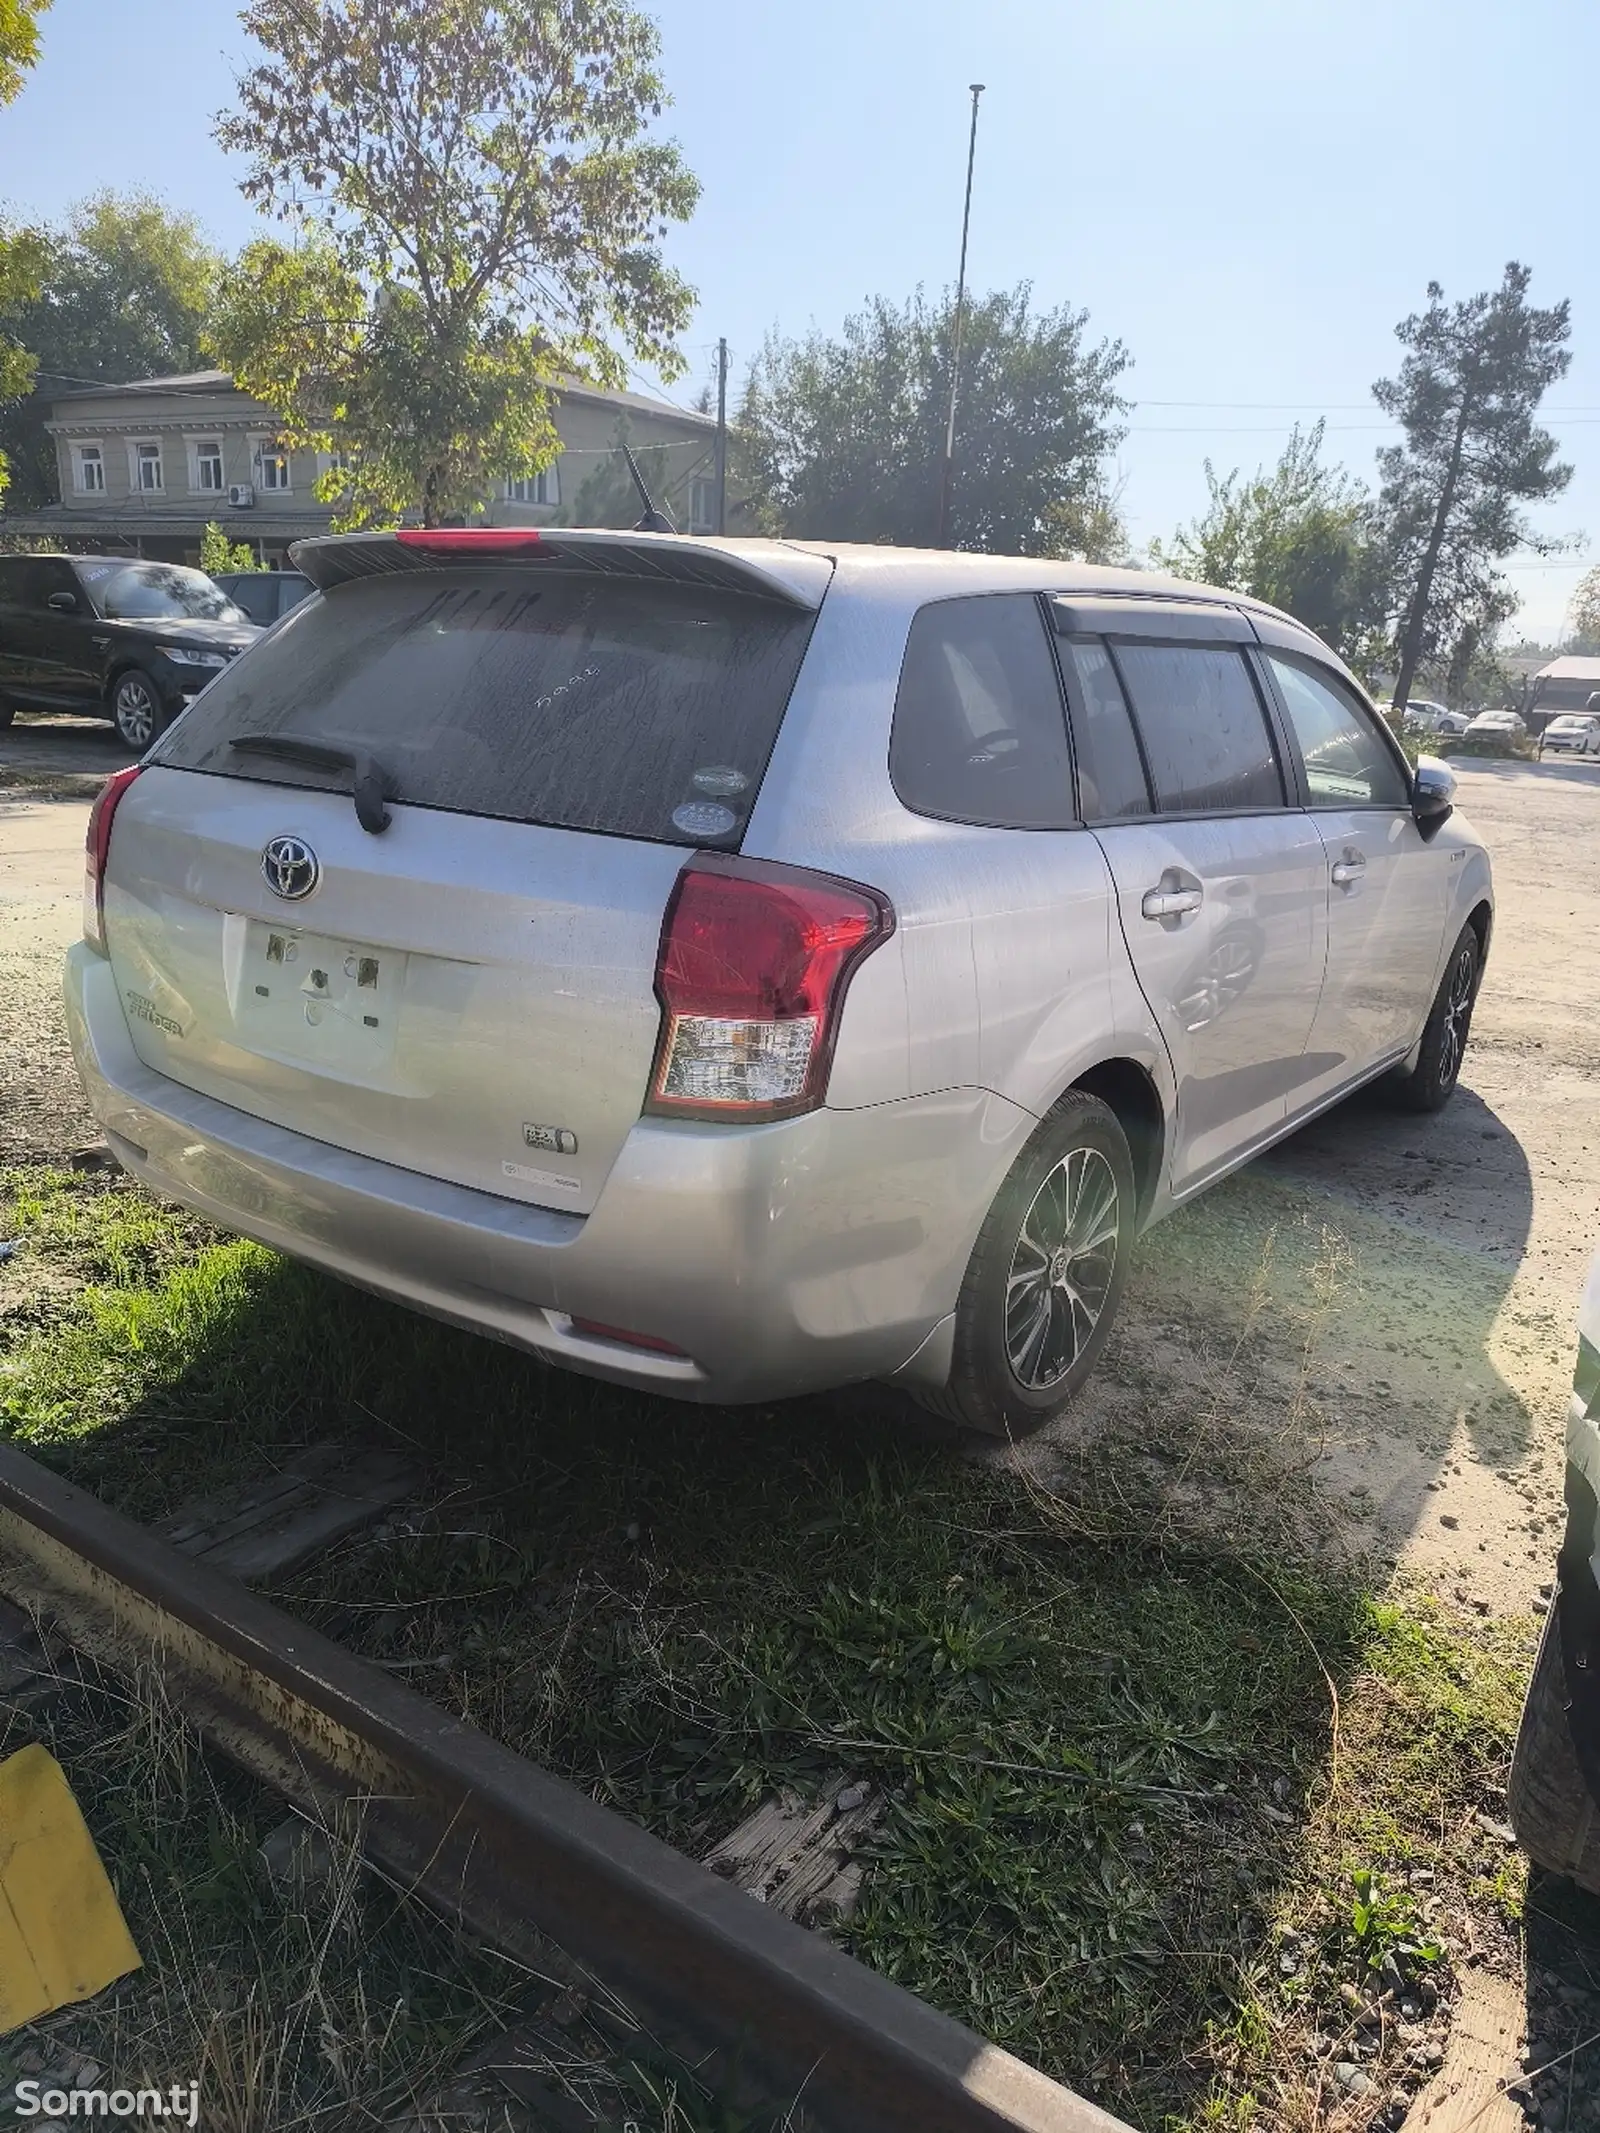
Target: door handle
{"points": [[1347, 872], [1170, 903]]}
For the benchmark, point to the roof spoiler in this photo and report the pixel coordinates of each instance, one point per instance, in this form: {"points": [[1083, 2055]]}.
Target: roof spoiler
{"points": [[768, 570]]}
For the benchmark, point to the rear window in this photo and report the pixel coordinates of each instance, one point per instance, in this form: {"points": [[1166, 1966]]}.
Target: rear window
{"points": [[633, 709]]}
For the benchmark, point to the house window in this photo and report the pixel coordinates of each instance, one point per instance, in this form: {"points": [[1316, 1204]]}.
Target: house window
{"points": [[272, 465], [146, 469], [89, 470], [702, 505], [541, 488], [208, 464]]}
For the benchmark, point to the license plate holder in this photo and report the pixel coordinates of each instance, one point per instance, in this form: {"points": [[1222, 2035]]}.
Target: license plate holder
{"points": [[319, 1000]]}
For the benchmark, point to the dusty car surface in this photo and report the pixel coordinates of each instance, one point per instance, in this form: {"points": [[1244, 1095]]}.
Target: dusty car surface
{"points": [[741, 967], [1554, 1793]]}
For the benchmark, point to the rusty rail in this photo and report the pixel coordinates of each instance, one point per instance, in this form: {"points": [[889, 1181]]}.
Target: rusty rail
{"points": [[505, 1847]]}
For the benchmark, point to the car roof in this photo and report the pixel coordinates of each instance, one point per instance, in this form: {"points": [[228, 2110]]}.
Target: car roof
{"points": [[799, 571]]}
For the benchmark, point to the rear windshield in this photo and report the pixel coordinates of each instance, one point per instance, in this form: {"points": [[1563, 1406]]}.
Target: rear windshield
{"points": [[635, 709]]}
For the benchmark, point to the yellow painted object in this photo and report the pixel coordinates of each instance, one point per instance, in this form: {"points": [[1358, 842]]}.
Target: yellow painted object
{"points": [[62, 1937]]}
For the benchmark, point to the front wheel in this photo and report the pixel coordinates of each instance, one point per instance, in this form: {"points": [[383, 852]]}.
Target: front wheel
{"points": [[1046, 1274], [1431, 1082], [136, 709]]}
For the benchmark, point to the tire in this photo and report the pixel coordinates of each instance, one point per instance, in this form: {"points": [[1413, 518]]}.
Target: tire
{"points": [[1551, 1808], [137, 711], [1046, 1275], [1431, 1082]]}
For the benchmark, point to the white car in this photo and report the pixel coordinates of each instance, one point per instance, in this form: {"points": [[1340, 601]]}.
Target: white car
{"points": [[1423, 716], [1497, 726], [1573, 733]]}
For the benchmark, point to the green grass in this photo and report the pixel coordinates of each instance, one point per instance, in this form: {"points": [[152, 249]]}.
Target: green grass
{"points": [[1121, 1758]]}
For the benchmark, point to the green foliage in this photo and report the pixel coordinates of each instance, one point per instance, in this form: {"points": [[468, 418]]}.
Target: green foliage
{"points": [[1297, 536], [1385, 1926], [19, 43], [842, 438], [218, 553], [116, 292], [1585, 615], [480, 209], [1466, 396]]}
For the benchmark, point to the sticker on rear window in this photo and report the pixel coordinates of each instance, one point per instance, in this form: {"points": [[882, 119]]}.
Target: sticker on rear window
{"points": [[719, 779], [704, 818]]}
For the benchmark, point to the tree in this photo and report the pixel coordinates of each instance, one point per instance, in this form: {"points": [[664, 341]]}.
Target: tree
{"points": [[118, 292], [19, 43], [1585, 614], [21, 250], [1297, 536], [481, 211], [841, 439], [1467, 394], [218, 553]]}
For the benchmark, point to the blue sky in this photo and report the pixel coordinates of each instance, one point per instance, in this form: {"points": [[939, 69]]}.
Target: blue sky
{"points": [[1248, 193]]}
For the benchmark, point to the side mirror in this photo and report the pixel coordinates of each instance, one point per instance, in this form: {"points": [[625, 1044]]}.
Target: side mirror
{"points": [[64, 603], [1433, 794]]}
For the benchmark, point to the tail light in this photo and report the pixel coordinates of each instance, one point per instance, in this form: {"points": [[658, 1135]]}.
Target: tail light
{"points": [[754, 962], [470, 540], [96, 846]]}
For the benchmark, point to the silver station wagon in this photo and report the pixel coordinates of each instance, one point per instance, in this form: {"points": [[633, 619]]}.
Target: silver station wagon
{"points": [[741, 968]]}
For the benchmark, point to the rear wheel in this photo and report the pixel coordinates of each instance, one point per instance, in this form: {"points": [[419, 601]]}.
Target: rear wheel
{"points": [[1431, 1082], [136, 709], [1551, 1807], [1046, 1275]]}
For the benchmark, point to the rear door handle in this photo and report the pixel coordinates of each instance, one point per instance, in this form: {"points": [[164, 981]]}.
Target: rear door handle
{"points": [[1347, 872], [1171, 903]]}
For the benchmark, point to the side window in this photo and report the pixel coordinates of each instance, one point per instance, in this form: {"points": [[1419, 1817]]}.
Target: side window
{"points": [[1111, 780], [1204, 728], [13, 580], [51, 577], [1347, 765], [980, 731]]}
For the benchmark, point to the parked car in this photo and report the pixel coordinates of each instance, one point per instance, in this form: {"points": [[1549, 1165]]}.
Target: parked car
{"points": [[1423, 716], [266, 596], [1504, 726], [119, 639], [1572, 733], [740, 968], [1554, 1794]]}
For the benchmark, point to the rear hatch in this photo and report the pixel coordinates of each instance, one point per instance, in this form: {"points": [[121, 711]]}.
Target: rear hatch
{"points": [[467, 988]]}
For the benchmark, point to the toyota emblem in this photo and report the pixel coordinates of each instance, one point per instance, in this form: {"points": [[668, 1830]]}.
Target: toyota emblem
{"points": [[290, 867]]}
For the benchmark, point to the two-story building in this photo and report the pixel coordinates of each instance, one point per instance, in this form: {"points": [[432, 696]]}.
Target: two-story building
{"points": [[143, 468]]}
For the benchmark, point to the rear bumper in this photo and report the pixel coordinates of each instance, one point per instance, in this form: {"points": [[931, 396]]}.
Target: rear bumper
{"points": [[780, 1259]]}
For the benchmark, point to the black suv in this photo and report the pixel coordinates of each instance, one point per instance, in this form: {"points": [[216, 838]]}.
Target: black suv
{"points": [[119, 639], [265, 595]]}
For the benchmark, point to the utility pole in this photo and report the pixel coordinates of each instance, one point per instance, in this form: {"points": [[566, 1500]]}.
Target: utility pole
{"points": [[722, 436], [946, 472]]}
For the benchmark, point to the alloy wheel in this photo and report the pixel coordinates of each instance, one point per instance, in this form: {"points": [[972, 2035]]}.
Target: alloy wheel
{"points": [[1457, 1017], [1061, 1268], [135, 711]]}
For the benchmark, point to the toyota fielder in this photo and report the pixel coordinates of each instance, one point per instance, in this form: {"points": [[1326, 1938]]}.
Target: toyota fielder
{"points": [[738, 968]]}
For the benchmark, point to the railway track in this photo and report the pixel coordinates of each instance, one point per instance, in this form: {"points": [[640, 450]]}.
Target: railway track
{"points": [[518, 1857]]}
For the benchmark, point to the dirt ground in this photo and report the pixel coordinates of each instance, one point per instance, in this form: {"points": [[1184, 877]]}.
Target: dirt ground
{"points": [[1376, 1321]]}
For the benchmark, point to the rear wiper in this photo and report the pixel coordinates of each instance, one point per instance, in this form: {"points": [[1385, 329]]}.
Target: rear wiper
{"points": [[371, 786]]}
